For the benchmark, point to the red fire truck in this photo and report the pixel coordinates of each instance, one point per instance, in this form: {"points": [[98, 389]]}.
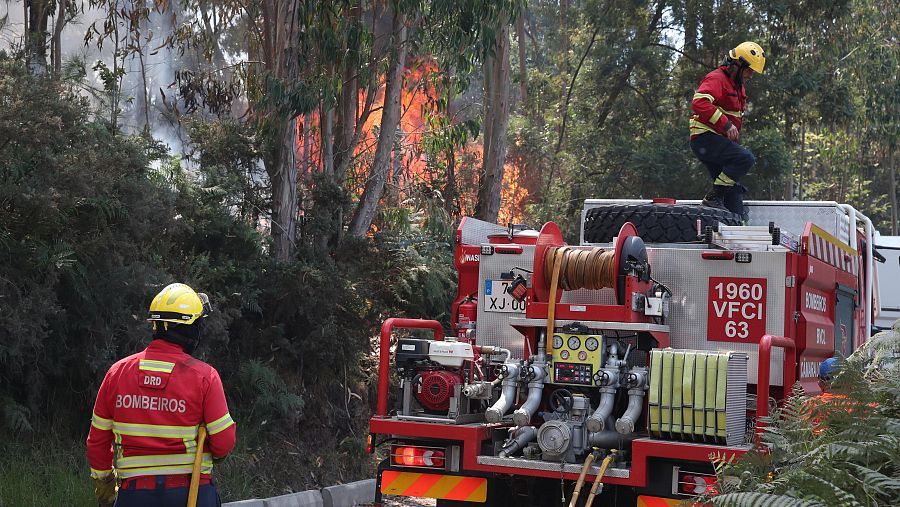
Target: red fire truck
{"points": [[613, 369]]}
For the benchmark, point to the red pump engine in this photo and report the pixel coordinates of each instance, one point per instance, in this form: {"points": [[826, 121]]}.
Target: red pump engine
{"points": [[435, 389]]}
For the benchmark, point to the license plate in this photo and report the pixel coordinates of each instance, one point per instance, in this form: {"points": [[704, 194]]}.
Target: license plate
{"points": [[497, 300]]}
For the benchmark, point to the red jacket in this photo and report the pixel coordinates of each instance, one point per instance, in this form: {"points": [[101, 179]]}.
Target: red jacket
{"points": [[716, 103], [148, 411]]}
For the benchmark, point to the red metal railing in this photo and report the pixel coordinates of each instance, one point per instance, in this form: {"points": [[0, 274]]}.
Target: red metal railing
{"points": [[762, 381], [385, 355]]}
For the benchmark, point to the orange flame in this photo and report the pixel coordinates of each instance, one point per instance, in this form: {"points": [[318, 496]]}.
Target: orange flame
{"points": [[411, 168]]}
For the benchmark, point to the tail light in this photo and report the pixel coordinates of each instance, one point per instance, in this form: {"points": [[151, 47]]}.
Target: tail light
{"points": [[692, 483], [370, 447], [418, 456]]}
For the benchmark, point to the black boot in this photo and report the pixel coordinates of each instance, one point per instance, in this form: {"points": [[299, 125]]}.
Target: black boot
{"points": [[715, 198]]}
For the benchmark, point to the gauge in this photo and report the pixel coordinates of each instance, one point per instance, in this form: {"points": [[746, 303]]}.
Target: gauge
{"points": [[557, 341], [592, 343], [582, 356], [574, 342], [564, 354]]}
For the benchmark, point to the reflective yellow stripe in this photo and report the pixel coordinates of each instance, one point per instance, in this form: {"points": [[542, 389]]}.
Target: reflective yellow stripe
{"points": [[161, 460], [703, 96], [101, 423], [220, 424], [715, 116], [99, 474], [153, 430], [125, 473], [151, 365], [724, 180], [698, 127], [736, 114]]}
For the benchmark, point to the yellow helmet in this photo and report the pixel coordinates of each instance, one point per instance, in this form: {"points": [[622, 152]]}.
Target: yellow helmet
{"points": [[751, 53], [179, 304]]}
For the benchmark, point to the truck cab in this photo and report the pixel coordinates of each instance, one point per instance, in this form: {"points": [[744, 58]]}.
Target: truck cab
{"points": [[888, 276]]}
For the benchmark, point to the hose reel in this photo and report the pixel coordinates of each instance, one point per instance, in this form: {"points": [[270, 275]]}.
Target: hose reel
{"points": [[588, 267]]}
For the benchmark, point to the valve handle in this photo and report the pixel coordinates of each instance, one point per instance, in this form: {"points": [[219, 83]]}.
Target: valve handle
{"points": [[561, 401]]}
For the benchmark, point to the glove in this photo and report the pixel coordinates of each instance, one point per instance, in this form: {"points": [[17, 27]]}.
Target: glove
{"points": [[105, 490]]}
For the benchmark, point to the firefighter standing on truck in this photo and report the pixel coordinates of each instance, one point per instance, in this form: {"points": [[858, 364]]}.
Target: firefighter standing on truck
{"points": [[718, 106], [150, 407]]}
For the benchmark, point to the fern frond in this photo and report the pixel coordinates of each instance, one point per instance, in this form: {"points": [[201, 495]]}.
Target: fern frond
{"points": [[876, 480], [838, 494], [752, 499]]}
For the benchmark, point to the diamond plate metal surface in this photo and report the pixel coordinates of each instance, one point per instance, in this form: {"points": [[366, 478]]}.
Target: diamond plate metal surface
{"points": [[687, 275], [493, 328], [476, 232], [793, 217], [551, 466]]}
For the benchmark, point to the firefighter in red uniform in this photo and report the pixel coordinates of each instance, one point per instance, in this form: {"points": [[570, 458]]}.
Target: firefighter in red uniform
{"points": [[718, 106], [149, 408]]}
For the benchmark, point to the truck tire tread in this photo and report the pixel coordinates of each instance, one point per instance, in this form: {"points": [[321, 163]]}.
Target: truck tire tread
{"points": [[655, 223]]}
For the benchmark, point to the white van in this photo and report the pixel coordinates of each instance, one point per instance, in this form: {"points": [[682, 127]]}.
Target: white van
{"points": [[888, 280]]}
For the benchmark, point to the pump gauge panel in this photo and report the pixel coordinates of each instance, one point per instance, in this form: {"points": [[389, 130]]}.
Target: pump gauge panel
{"points": [[576, 358], [557, 341]]}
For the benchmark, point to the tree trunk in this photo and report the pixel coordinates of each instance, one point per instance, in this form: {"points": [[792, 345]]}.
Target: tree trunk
{"points": [[36, 35], [390, 118], [348, 102], [326, 121], [56, 41], [284, 193], [523, 70], [281, 35], [496, 120], [892, 173], [788, 134], [305, 162]]}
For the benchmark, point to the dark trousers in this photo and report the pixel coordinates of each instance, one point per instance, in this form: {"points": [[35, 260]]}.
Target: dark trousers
{"points": [[207, 496], [721, 155]]}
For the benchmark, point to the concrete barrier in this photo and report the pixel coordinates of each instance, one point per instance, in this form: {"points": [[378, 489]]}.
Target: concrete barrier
{"points": [[348, 495], [311, 498], [342, 495]]}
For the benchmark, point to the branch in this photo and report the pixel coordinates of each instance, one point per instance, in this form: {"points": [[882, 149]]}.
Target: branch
{"points": [[562, 128], [682, 53]]}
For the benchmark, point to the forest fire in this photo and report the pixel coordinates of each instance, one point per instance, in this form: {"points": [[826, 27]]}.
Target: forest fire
{"points": [[413, 168]]}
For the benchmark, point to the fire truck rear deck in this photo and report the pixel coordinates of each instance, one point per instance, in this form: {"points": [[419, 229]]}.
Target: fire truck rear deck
{"points": [[627, 360]]}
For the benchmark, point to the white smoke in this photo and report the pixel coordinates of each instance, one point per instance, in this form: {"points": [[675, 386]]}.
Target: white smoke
{"points": [[159, 60]]}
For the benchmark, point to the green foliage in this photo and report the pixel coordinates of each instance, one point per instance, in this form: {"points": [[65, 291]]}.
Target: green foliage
{"points": [[261, 396], [841, 449]]}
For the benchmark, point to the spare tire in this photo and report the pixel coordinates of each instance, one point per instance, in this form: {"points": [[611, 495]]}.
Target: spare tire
{"points": [[655, 223]]}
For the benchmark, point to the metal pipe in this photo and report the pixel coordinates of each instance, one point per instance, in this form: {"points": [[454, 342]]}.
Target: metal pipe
{"points": [[518, 440], [385, 352], [762, 382], [597, 420], [522, 415], [625, 424], [507, 395], [491, 350], [609, 439]]}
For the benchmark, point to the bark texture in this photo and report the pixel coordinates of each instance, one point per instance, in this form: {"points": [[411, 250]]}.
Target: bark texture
{"points": [[390, 118], [496, 120], [280, 27]]}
